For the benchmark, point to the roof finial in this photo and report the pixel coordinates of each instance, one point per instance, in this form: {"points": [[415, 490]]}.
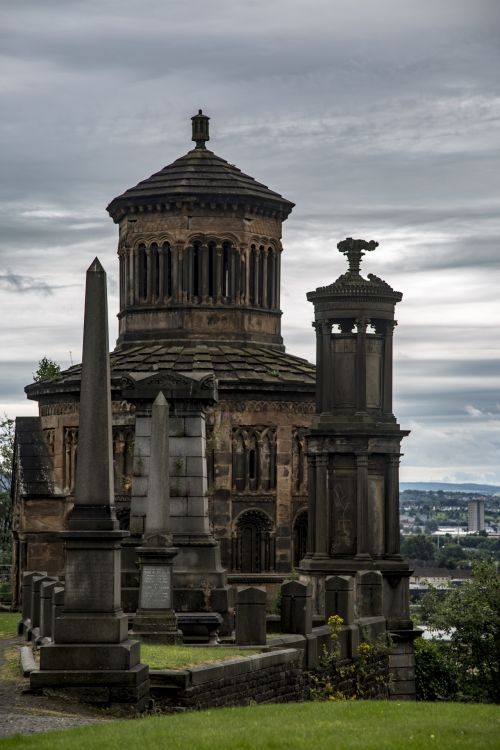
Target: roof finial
{"points": [[200, 129], [354, 251]]}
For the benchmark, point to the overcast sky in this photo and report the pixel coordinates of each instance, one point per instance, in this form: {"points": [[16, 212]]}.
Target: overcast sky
{"points": [[380, 119]]}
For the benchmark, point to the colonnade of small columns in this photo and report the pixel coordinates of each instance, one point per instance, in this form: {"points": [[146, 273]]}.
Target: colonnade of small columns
{"points": [[213, 272]]}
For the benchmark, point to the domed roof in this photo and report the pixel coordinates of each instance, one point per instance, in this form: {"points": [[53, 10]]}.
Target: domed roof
{"points": [[202, 176]]}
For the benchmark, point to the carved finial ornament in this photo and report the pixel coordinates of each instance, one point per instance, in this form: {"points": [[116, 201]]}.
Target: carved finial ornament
{"points": [[200, 129], [354, 250]]}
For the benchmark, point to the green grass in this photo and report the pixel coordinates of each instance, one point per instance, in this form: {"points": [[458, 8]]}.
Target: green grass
{"points": [[8, 624], [370, 725], [180, 657]]}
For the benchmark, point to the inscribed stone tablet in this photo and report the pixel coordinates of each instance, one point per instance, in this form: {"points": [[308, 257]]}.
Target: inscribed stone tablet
{"points": [[156, 587]]}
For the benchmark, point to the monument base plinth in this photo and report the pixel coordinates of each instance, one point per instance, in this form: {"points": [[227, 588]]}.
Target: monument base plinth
{"points": [[107, 675]]}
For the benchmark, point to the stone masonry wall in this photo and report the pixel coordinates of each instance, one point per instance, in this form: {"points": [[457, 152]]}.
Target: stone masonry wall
{"points": [[275, 677]]}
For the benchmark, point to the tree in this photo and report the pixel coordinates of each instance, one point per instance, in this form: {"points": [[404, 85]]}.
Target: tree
{"points": [[6, 454], [470, 614], [47, 370], [418, 547]]}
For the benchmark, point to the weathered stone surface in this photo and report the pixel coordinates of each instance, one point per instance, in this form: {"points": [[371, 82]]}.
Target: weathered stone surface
{"points": [[296, 607], [250, 617], [339, 597]]}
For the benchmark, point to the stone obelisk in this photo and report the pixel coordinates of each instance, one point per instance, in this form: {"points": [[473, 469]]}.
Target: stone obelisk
{"points": [[92, 657], [155, 621]]}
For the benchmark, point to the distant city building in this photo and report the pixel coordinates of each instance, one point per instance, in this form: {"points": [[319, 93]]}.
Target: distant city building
{"points": [[476, 515]]}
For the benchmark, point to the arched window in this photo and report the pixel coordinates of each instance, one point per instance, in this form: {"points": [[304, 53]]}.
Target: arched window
{"points": [[270, 278], [226, 249], [143, 273], [260, 290], [299, 538], [167, 270], [253, 275], [299, 484], [155, 270], [211, 269], [253, 543], [254, 459], [196, 269]]}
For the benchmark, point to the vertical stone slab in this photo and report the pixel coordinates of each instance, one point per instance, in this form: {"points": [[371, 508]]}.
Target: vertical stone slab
{"points": [[296, 607], [339, 598], [369, 593], [46, 594], [251, 617]]}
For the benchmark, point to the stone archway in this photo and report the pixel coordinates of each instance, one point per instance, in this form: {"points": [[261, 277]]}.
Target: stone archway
{"points": [[253, 543]]}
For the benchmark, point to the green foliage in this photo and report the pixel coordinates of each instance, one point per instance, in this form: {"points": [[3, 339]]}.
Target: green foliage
{"points": [[47, 370], [339, 680], [6, 456], [418, 547], [470, 613], [351, 725], [436, 674]]}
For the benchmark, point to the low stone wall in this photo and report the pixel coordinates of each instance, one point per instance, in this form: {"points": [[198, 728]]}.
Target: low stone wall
{"points": [[275, 677]]}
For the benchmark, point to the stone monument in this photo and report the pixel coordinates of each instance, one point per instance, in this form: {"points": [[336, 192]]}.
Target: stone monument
{"points": [[354, 448], [155, 621], [200, 583], [92, 657]]}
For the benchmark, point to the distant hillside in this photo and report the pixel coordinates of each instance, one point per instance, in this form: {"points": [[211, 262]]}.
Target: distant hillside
{"points": [[483, 489]]}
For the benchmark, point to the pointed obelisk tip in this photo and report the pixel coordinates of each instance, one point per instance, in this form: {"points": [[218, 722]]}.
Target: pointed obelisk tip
{"points": [[160, 400], [96, 267]]}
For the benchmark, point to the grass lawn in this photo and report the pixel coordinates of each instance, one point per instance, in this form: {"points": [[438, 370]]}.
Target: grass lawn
{"points": [[180, 657], [350, 725], [8, 624]]}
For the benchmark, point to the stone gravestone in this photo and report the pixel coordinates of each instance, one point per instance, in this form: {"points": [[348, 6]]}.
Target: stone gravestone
{"points": [[92, 658], [296, 607], [369, 593], [24, 626], [339, 598], [46, 590], [251, 617], [155, 621]]}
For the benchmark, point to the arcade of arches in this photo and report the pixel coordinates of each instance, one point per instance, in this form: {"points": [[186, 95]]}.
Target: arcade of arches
{"points": [[202, 271]]}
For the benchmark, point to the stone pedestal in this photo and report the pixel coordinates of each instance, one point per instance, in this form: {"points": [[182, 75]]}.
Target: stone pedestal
{"points": [[155, 621], [91, 658]]}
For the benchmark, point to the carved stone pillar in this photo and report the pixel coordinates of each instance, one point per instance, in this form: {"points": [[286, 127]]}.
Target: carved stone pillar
{"points": [[218, 273], [137, 297], [161, 274], [321, 520], [311, 511], [361, 325], [149, 277], [362, 548], [387, 368], [326, 366]]}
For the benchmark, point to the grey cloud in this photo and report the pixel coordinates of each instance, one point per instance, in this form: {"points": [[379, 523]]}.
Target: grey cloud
{"points": [[11, 282]]}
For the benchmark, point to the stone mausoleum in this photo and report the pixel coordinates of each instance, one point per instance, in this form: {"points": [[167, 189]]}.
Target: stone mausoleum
{"points": [[199, 253]]}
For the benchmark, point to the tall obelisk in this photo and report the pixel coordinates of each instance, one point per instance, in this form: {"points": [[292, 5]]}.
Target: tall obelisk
{"points": [[92, 657]]}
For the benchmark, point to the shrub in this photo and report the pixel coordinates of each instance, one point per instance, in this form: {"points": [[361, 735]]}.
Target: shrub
{"points": [[436, 675]]}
